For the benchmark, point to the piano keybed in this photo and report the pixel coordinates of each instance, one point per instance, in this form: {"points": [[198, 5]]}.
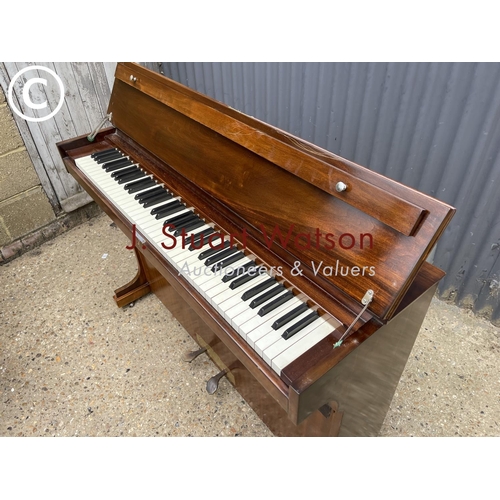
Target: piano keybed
{"points": [[277, 324]]}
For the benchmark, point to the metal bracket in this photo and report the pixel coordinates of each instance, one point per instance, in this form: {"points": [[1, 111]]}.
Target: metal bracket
{"points": [[107, 118], [366, 301]]}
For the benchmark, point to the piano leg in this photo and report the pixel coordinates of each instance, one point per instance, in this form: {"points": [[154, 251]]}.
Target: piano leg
{"points": [[136, 288]]}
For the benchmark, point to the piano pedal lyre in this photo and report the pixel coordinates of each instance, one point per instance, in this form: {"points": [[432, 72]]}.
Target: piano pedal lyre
{"points": [[192, 355], [213, 383]]}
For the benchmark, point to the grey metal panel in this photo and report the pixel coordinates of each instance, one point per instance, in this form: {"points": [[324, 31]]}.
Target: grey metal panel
{"points": [[432, 126]]}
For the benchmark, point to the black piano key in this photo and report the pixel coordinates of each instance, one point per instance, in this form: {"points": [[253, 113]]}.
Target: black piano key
{"points": [[150, 194], [189, 228], [294, 329], [266, 296], [133, 187], [208, 253], [221, 256], [250, 275], [183, 225], [179, 224], [119, 164], [100, 153], [114, 168], [109, 154], [104, 152], [116, 162], [179, 219], [182, 219], [109, 157], [239, 271], [258, 288], [154, 200], [227, 262], [130, 177], [170, 211], [196, 243], [157, 197], [283, 320], [125, 171], [156, 210], [275, 303]]}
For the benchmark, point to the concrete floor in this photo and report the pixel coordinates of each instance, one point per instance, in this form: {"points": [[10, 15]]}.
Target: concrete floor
{"points": [[73, 364]]}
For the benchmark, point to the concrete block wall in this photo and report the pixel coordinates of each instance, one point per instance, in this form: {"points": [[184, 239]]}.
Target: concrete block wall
{"points": [[26, 215]]}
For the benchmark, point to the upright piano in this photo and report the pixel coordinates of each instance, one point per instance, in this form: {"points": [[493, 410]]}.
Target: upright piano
{"points": [[302, 275]]}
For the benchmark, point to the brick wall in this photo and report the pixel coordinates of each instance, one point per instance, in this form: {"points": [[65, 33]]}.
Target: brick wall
{"points": [[26, 216]]}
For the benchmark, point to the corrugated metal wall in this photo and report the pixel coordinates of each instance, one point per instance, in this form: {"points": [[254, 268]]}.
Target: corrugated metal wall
{"points": [[432, 126]]}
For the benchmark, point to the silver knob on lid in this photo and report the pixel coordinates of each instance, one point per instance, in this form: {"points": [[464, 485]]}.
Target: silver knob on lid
{"points": [[340, 187], [133, 78]]}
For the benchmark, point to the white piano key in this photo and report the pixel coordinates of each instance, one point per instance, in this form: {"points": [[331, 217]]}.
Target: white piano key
{"points": [[207, 280], [244, 306], [223, 292], [238, 320], [304, 344], [203, 284], [274, 335], [277, 347], [255, 329]]}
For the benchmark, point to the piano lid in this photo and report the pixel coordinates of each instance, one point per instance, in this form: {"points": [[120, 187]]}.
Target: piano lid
{"points": [[328, 219]]}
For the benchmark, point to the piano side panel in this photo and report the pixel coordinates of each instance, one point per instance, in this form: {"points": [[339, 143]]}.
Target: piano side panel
{"points": [[365, 380], [312, 365]]}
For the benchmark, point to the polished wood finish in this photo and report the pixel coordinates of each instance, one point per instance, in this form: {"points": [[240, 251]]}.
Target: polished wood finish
{"points": [[361, 194], [206, 143], [249, 178], [324, 422]]}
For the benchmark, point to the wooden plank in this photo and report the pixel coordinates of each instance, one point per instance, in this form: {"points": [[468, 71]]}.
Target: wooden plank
{"points": [[87, 93], [62, 118], [101, 86], [51, 135], [31, 147], [38, 136], [109, 69], [76, 201], [78, 117]]}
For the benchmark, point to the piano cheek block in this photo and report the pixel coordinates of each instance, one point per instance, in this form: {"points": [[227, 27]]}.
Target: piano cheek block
{"points": [[334, 371]]}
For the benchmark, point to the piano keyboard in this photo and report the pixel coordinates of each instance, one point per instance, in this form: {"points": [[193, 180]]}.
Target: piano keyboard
{"points": [[277, 324]]}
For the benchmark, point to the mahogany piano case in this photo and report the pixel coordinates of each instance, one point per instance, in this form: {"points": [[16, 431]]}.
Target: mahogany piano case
{"points": [[302, 275]]}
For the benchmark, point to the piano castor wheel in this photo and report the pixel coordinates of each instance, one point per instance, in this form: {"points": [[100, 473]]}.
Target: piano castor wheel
{"points": [[192, 355], [213, 383]]}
